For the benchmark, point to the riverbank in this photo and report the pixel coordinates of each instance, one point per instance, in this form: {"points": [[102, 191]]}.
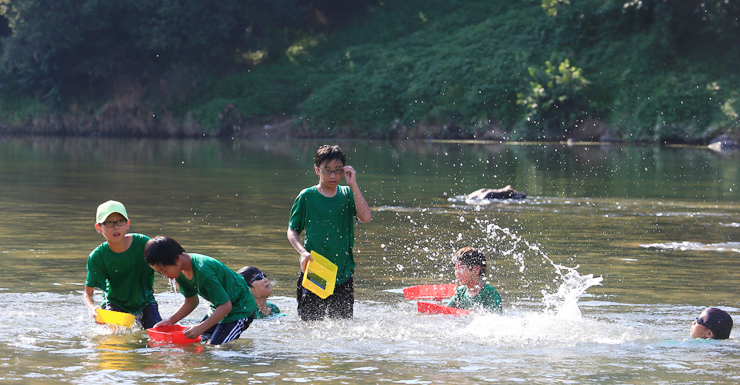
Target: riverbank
{"points": [[285, 128], [432, 69]]}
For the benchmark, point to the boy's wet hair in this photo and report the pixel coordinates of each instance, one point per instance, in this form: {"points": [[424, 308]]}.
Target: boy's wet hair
{"points": [[162, 250], [471, 257], [719, 322], [328, 153]]}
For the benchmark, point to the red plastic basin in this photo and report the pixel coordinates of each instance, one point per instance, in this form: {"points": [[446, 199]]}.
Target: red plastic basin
{"points": [[434, 308], [429, 291], [170, 334]]}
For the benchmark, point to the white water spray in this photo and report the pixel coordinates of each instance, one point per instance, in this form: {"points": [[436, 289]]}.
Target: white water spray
{"points": [[564, 302]]}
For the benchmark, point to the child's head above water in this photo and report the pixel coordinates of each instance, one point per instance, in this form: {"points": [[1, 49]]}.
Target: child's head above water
{"points": [[712, 323], [326, 154], [470, 266], [162, 250], [471, 257]]}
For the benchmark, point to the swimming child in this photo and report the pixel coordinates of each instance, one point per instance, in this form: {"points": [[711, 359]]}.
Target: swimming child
{"points": [[712, 323], [117, 267], [473, 292], [260, 287], [232, 304], [327, 212]]}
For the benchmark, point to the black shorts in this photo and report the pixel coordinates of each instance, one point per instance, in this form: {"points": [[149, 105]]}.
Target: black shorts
{"points": [[224, 332], [147, 318], [311, 307]]}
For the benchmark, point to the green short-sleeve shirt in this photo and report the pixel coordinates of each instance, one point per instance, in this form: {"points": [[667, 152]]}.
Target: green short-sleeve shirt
{"points": [[487, 299], [218, 284], [329, 225], [126, 279], [274, 311]]}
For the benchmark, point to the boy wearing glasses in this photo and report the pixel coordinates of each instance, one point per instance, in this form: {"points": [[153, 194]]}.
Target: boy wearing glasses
{"points": [[117, 267], [327, 212], [712, 323]]}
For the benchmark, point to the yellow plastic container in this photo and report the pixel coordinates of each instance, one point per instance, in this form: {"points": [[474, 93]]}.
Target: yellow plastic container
{"points": [[115, 317], [320, 276]]}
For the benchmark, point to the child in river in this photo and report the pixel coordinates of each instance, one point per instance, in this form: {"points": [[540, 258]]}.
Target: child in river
{"points": [[232, 304], [327, 212], [117, 267], [712, 323], [260, 287], [473, 292]]}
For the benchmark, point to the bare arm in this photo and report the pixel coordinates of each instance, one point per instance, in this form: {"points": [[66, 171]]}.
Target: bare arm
{"points": [[295, 240], [186, 308], [218, 314], [87, 298], [363, 209]]}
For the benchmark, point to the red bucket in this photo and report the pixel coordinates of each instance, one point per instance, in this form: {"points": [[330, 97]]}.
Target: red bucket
{"points": [[430, 291], [428, 307], [170, 334]]}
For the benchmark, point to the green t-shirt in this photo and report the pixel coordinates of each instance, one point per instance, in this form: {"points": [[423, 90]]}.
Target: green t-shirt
{"points": [[125, 278], [487, 299], [329, 226], [274, 311], [218, 284]]}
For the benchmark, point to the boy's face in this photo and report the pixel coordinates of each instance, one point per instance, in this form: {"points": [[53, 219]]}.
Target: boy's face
{"points": [[168, 271], [116, 232], [701, 331], [334, 168], [465, 275], [261, 288]]}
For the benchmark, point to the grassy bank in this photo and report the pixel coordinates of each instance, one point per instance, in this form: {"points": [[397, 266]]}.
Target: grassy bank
{"points": [[512, 70]]}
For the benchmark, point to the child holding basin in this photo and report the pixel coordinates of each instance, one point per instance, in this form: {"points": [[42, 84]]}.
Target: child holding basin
{"points": [[260, 287], [473, 292], [712, 323], [327, 212], [117, 267], [232, 304]]}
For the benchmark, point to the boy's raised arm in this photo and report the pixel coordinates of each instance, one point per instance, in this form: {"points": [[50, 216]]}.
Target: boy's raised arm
{"points": [[363, 209]]}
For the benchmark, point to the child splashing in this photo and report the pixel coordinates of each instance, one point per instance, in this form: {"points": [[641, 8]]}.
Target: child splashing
{"points": [[473, 293]]}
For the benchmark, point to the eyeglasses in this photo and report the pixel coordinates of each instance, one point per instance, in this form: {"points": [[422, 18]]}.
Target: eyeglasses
{"points": [[110, 224], [338, 171], [700, 321], [257, 277]]}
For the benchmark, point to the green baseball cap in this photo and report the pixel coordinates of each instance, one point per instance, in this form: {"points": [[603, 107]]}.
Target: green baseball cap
{"points": [[108, 208]]}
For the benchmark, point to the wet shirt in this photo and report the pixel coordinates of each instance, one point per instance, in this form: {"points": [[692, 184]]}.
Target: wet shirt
{"points": [[126, 279], [487, 299], [274, 311], [329, 226], [218, 284]]}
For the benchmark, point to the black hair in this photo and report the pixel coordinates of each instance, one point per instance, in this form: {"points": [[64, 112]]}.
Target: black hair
{"points": [[249, 272], [719, 322], [472, 257], [162, 250], [327, 153]]}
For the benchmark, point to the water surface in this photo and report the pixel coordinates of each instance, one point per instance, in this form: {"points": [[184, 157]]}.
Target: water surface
{"points": [[659, 225]]}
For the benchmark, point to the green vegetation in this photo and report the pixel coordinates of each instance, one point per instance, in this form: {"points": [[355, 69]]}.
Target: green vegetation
{"points": [[649, 70]]}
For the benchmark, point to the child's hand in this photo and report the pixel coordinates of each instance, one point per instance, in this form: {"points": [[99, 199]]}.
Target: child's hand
{"points": [[305, 258], [192, 331], [95, 319], [350, 175], [166, 322]]}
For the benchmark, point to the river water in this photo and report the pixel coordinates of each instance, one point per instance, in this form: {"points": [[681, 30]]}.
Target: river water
{"points": [[602, 268]]}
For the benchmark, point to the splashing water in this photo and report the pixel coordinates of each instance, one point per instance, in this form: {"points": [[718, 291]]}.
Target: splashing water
{"points": [[564, 302]]}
